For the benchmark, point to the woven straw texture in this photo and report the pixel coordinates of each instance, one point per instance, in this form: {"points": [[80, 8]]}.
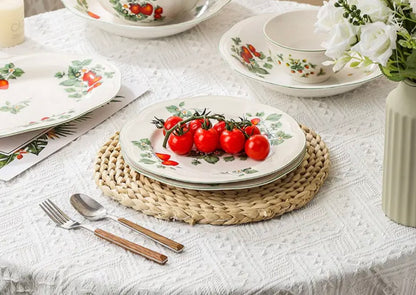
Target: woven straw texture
{"points": [[117, 180]]}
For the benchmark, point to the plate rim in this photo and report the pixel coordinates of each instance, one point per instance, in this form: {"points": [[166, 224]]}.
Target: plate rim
{"points": [[218, 186], [130, 122], [192, 22], [117, 86]]}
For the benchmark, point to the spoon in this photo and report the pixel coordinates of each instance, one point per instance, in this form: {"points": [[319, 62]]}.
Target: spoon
{"points": [[92, 210]]}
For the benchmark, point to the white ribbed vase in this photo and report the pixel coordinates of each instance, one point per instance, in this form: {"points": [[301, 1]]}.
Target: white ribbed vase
{"points": [[399, 168]]}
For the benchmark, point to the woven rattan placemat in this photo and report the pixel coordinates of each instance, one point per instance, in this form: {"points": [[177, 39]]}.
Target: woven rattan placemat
{"points": [[132, 189]]}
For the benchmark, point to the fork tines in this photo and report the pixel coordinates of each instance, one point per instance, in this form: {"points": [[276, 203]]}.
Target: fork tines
{"points": [[56, 214]]}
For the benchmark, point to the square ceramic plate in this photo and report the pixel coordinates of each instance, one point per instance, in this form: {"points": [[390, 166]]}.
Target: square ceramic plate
{"points": [[44, 90]]}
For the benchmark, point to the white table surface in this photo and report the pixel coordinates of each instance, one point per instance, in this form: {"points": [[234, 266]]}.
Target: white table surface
{"points": [[341, 242]]}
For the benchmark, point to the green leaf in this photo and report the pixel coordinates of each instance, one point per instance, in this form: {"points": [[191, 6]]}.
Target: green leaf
{"points": [[5, 160], [181, 104], [143, 144], [259, 114], [273, 117], [60, 75], [242, 157], [269, 59], [172, 109], [75, 95], [85, 62], [212, 159], [261, 71], [354, 64], [268, 66], [229, 158], [18, 72], [147, 161], [70, 89], [249, 171], [68, 82], [195, 162], [36, 146]]}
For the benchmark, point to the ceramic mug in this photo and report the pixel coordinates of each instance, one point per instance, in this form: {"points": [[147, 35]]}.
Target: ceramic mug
{"points": [[296, 47], [148, 12]]}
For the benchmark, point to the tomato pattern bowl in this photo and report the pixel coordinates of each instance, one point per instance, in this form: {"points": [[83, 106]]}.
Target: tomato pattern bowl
{"points": [[142, 143]]}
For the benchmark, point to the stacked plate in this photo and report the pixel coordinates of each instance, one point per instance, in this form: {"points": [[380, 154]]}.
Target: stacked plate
{"points": [[45, 90], [97, 15], [141, 146]]}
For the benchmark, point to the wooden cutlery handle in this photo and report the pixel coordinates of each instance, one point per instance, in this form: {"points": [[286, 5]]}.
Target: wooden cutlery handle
{"points": [[137, 249], [154, 236]]}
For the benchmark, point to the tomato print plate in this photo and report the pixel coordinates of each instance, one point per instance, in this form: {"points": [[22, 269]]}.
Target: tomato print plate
{"points": [[245, 50], [44, 90], [142, 143], [95, 14], [222, 186]]}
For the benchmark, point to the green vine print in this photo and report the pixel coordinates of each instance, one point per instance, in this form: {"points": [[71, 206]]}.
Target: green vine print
{"points": [[270, 126], [147, 156], [255, 61], [81, 78], [14, 108], [241, 172], [9, 72], [134, 10], [65, 115], [301, 67], [82, 6], [39, 144]]}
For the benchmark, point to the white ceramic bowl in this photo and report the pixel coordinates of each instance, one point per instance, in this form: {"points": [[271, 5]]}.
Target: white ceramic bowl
{"points": [[295, 47], [148, 12]]}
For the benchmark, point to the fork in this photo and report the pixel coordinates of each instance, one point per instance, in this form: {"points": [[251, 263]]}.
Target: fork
{"points": [[62, 220]]}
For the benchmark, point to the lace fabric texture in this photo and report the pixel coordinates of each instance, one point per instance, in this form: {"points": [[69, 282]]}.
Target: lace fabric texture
{"points": [[340, 243]]}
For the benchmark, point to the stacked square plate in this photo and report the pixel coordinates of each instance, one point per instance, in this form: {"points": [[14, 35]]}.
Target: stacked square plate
{"points": [[142, 146], [40, 91]]}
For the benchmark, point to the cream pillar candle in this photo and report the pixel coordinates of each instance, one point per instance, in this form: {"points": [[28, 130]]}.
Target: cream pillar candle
{"points": [[11, 22]]}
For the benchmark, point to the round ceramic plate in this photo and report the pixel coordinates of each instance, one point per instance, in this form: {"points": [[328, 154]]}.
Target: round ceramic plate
{"points": [[92, 11], [266, 70], [140, 141], [222, 186], [44, 90]]}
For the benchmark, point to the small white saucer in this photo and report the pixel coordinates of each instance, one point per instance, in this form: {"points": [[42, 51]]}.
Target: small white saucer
{"points": [[263, 69], [94, 13]]}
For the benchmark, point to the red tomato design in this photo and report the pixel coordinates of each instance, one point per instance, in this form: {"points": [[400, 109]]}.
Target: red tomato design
{"points": [[93, 15], [135, 8], [157, 16], [255, 121], [170, 163], [147, 9], [163, 157], [253, 50], [158, 10], [4, 84]]}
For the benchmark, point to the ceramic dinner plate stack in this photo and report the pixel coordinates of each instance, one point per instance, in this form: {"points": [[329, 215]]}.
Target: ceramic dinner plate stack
{"points": [[142, 146], [97, 15], [44, 90]]}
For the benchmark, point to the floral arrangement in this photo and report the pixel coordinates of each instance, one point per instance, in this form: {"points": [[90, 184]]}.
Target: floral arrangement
{"points": [[371, 32]]}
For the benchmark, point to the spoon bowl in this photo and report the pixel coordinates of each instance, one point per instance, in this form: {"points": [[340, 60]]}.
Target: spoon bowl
{"points": [[88, 207]]}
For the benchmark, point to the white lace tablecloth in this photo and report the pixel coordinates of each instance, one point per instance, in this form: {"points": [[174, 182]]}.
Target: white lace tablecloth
{"points": [[341, 242]]}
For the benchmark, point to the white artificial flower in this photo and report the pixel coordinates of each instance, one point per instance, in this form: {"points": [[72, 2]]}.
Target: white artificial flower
{"points": [[328, 16], [377, 10], [412, 4], [341, 37], [377, 42]]}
